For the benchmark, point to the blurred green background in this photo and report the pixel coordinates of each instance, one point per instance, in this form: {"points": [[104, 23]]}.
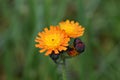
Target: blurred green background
{"points": [[21, 20]]}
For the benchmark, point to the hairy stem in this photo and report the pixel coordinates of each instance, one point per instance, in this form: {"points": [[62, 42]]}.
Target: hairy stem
{"points": [[64, 70]]}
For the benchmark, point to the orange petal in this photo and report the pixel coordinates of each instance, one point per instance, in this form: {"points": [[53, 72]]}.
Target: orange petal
{"points": [[46, 29], [62, 48], [37, 45], [48, 52], [56, 51], [42, 50]]}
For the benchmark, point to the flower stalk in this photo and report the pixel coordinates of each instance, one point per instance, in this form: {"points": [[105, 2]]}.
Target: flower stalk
{"points": [[62, 68]]}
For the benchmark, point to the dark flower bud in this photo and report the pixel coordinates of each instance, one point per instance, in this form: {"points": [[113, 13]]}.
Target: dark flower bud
{"points": [[77, 48], [71, 51], [79, 45], [54, 57]]}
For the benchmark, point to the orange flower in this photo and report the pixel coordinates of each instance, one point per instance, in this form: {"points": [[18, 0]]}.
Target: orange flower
{"points": [[51, 40], [73, 29]]}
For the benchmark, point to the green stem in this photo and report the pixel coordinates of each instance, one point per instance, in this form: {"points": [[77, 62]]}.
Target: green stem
{"points": [[64, 70], [61, 66]]}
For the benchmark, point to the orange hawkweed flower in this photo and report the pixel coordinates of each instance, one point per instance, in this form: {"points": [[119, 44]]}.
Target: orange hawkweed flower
{"points": [[52, 40], [73, 29]]}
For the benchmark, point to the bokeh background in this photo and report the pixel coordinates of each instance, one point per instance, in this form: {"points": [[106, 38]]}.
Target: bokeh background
{"points": [[21, 20]]}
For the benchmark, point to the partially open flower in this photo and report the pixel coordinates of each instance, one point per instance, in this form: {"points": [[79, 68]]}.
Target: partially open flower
{"points": [[52, 40], [73, 29]]}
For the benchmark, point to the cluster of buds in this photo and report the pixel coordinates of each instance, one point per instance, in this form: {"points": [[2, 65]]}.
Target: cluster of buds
{"points": [[77, 48]]}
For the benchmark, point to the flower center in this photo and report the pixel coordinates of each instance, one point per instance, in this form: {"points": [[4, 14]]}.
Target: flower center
{"points": [[52, 40]]}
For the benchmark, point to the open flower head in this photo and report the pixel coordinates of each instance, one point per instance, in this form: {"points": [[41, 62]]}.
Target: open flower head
{"points": [[52, 40], [73, 29]]}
